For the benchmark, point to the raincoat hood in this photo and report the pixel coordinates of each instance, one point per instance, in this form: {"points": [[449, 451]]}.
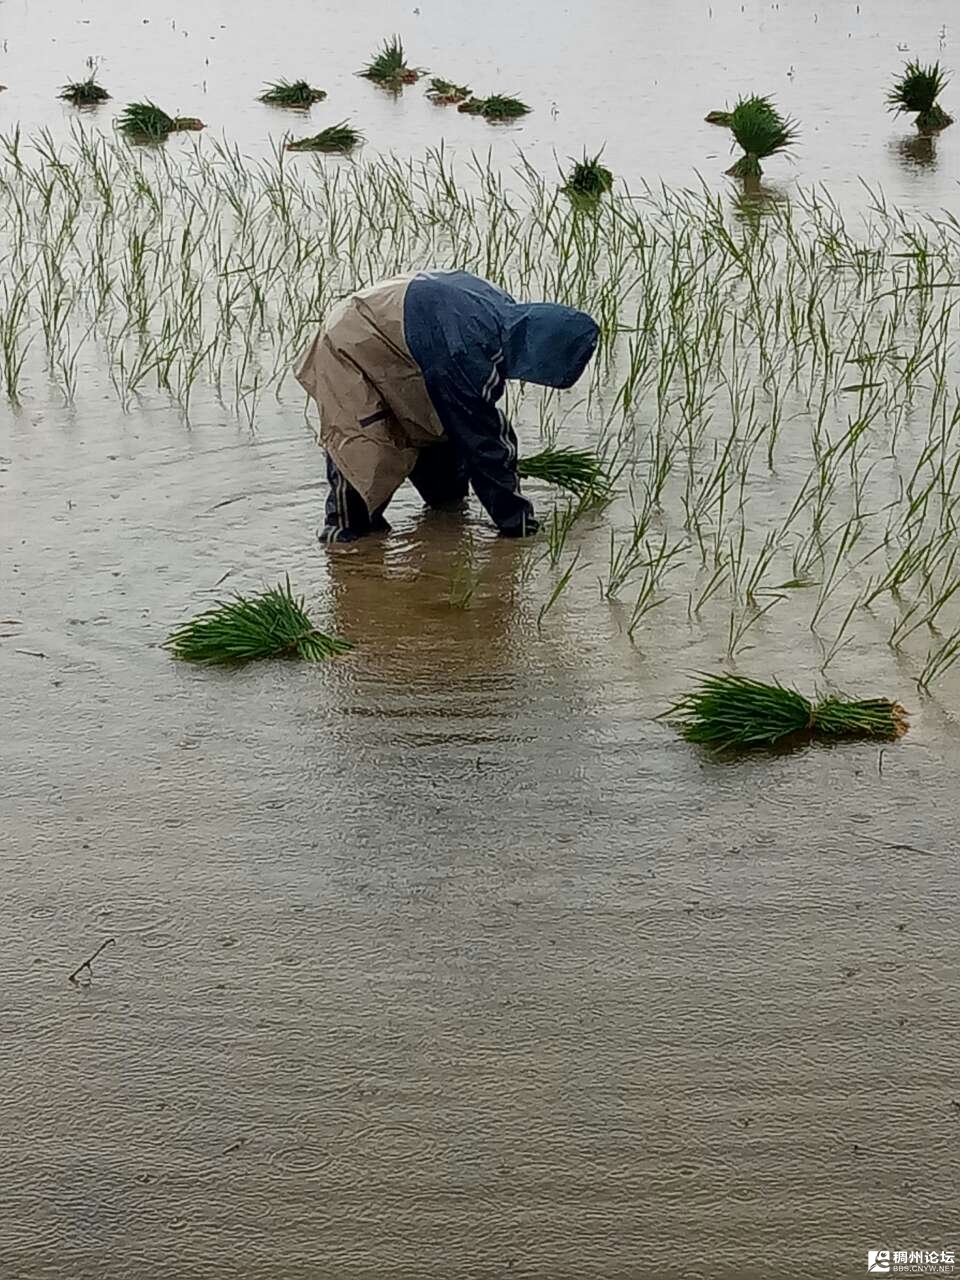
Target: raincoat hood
{"points": [[546, 343]]}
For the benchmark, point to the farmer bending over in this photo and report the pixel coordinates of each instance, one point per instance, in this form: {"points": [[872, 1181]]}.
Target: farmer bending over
{"points": [[407, 376]]}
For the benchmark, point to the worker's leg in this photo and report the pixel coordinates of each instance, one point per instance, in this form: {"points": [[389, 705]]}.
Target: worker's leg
{"points": [[347, 517], [439, 476]]}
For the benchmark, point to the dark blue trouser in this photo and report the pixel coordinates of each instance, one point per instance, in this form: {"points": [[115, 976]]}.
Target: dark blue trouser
{"points": [[438, 476]]}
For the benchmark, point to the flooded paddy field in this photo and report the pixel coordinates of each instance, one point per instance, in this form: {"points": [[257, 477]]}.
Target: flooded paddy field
{"points": [[447, 958]]}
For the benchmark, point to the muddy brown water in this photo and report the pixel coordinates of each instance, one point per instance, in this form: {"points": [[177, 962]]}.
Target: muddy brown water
{"points": [[446, 959]]}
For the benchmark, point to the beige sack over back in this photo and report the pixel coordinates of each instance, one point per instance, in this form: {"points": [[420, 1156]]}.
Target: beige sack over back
{"points": [[375, 411]]}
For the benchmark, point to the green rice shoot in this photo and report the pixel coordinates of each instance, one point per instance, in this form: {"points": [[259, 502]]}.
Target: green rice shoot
{"points": [[589, 179], [388, 67], [579, 471], [497, 107], [444, 93], [291, 93], [335, 139], [247, 628], [761, 132], [84, 93], [917, 91], [732, 711], [148, 122]]}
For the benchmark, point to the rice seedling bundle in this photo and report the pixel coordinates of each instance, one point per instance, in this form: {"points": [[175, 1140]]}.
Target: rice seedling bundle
{"points": [[445, 93], [388, 67], [917, 90], [579, 471], [760, 131], [497, 107], [732, 711], [336, 138], [83, 93], [588, 178], [291, 93], [245, 628], [145, 120]]}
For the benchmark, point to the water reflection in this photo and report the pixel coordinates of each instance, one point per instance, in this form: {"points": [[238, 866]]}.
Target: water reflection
{"points": [[751, 200], [442, 581], [915, 151]]}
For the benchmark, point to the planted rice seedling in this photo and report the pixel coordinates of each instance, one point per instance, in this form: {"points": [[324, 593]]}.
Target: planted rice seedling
{"points": [[588, 179], [760, 131], [445, 93], [388, 67], [197, 283], [495, 108], [245, 628], [916, 92], [580, 471], [732, 711], [145, 121], [291, 93], [335, 139]]}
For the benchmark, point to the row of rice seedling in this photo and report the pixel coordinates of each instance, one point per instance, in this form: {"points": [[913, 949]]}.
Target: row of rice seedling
{"points": [[774, 398]]}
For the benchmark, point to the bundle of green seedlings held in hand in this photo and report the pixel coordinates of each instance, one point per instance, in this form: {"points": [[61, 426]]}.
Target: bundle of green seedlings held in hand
{"points": [[84, 93], [272, 625], [580, 471], [335, 139], [444, 93], [388, 67], [731, 711], [917, 91], [588, 179], [760, 131], [291, 93], [495, 108], [144, 121]]}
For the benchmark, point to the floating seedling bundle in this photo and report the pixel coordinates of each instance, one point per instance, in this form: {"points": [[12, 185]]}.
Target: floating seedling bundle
{"points": [[388, 67], [917, 90], [145, 121], [445, 93], [732, 711], [760, 131], [244, 628], [335, 139], [291, 93], [84, 93], [497, 107], [580, 471]]}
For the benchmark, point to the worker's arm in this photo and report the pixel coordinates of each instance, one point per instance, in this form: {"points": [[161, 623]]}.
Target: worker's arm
{"points": [[487, 445]]}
